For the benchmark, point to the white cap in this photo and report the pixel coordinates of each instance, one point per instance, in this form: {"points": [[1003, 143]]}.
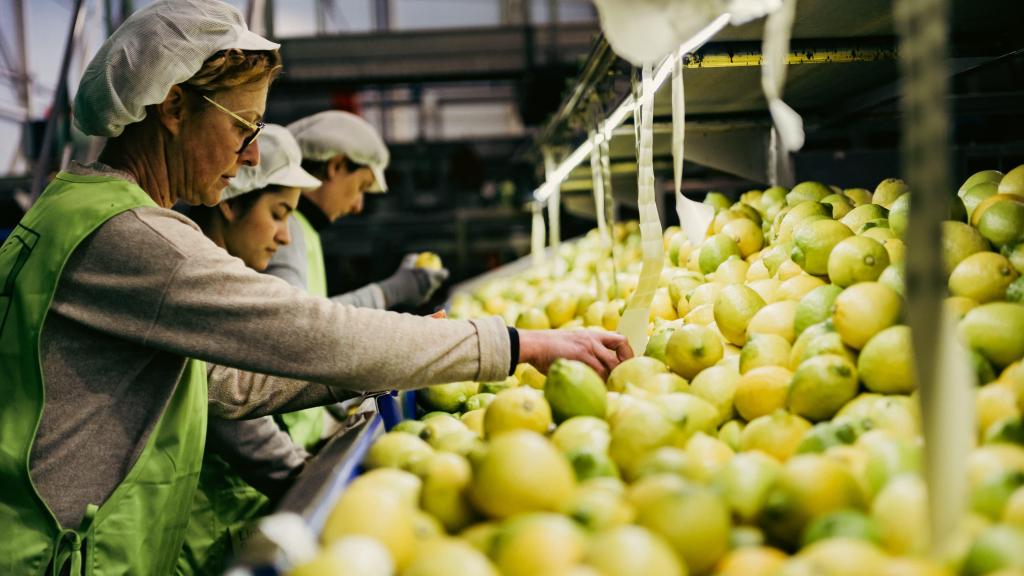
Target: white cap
{"points": [[324, 135], [157, 47], [280, 165]]}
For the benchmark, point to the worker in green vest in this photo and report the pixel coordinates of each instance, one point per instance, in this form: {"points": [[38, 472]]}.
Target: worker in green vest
{"points": [[248, 464], [349, 157], [109, 300]]}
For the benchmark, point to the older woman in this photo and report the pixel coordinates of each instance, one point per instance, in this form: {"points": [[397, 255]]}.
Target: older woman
{"points": [[110, 299]]}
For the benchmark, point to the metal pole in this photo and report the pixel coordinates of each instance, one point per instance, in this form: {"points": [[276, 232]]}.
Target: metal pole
{"points": [[59, 108]]}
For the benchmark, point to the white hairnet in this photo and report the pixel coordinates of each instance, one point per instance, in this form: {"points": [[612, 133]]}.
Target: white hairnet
{"points": [[330, 133], [280, 164], [157, 47]]}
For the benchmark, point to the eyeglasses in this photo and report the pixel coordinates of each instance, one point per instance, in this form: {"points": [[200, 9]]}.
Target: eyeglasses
{"points": [[256, 128]]}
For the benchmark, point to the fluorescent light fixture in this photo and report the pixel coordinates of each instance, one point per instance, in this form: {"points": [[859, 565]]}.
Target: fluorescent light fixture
{"points": [[616, 118]]}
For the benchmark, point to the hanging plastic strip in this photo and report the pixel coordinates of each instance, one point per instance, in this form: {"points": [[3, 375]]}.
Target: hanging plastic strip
{"points": [[775, 52], [635, 319], [609, 207], [537, 235], [945, 381], [694, 217], [597, 178], [554, 209]]}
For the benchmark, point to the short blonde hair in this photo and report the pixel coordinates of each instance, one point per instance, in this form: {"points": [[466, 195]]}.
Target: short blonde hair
{"points": [[233, 68]]}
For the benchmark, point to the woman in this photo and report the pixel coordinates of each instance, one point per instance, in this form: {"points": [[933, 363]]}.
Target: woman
{"points": [[247, 464], [111, 301]]}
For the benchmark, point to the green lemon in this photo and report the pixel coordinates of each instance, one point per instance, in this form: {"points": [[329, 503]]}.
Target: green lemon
{"points": [[574, 389], [804, 191], [996, 330], [716, 250], [886, 363], [855, 219], [888, 191], [978, 177], [815, 307], [821, 385], [813, 243], [976, 194], [856, 259]]}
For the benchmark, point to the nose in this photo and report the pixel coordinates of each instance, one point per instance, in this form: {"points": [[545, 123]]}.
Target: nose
{"points": [[251, 155], [283, 236]]}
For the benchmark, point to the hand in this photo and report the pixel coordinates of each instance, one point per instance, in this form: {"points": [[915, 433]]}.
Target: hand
{"points": [[410, 285], [602, 351]]}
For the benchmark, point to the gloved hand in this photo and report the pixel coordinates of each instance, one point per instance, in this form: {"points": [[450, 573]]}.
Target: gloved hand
{"points": [[410, 285]]}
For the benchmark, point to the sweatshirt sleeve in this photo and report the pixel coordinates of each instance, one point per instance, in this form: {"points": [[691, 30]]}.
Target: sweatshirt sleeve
{"points": [[258, 451], [150, 276], [369, 296]]}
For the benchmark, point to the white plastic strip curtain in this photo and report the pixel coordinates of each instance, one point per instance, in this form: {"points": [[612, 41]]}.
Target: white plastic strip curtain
{"points": [[694, 217], [554, 208], [538, 236], [609, 202], [788, 126], [633, 324], [597, 177], [944, 378]]}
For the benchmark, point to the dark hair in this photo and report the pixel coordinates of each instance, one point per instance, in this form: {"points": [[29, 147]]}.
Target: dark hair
{"points": [[204, 215], [318, 168]]}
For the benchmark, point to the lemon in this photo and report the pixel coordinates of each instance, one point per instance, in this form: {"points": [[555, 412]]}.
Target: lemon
{"points": [[730, 433], [886, 364], [880, 233], [600, 505], [843, 524], [863, 310], [803, 212], [703, 315], [428, 260], [858, 196], [718, 200], [993, 404], [892, 277], [405, 485], [766, 288], [745, 481], [899, 212], [349, 556], [722, 218], [777, 318], [691, 349], [752, 561], [827, 343], [474, 420], [763, 349], [732, 271], [815, 307], [478, 401], [561, 309], [709, 455], [517, 408], [446, 397], [855, 219], [1016, 256], [397, 450], [448, 556], [634, 371], [704, 294], [633, 551], [901, 512], [856, 259], [1013, 514], [574, 389], [821, 386], [837, 557], [809, 486], [814, 241], [896, 250], [777, 434], [538, 543], [695, 522], [761, 391], [666, 460], [689, 412], [997, 547], [587, 464], [888, 191], [735, 306], [378, 514], [888, 457], [637, 429], [679, 248], [521, 472], [797, 287], [746, 234], [995, 330], [977, 194], [804, 191], [1002, 222], [840, 204], [757, 270], [582, 432], [716, 250], [717, 385], [983, 276], [773, 196], [533, 319], [498, 386], [774, 256], [446, 481], [978, 177], [1013, 182], [530, 376]]}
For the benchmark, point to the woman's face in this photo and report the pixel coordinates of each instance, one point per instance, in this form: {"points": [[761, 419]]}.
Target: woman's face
{"points": [[345, 191], [210, 139], [256, 235]]}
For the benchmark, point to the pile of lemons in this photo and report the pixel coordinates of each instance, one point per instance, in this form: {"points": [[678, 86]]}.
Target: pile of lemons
{"points": [[772, 428]]}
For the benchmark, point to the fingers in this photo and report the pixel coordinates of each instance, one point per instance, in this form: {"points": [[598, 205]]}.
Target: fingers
{"points": [[608, 358]]}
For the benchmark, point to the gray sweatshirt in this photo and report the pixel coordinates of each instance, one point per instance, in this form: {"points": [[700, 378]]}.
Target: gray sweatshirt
{"points": [[147, 290]]}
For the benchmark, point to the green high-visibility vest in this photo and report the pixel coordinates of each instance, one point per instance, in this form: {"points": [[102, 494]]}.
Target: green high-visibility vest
{"points": [[139, 529]]}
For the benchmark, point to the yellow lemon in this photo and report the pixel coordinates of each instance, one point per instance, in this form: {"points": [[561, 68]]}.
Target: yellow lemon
{"points": [[735, 306], [521, 472], [777, 434], [983, 276], [515, 409], [762, 391], [863, 310], [691, 349], [776, 318]]}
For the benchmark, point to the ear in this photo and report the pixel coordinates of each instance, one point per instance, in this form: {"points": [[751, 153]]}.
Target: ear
{"points": [[336, 167], [226, 211], [172, 111]]}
